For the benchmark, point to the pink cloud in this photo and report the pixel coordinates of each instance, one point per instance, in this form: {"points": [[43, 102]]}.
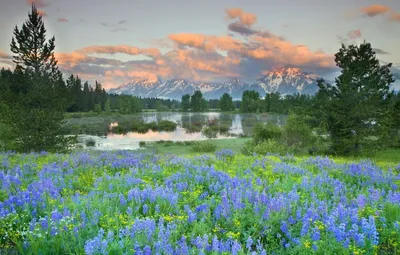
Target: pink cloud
{"points": [[374, 10], [247, 19], [62, 20], [354, 34], [377, 10], [130, 50], [395, 17], [4, 55], [38, 3], [42, 13], [198, 57]]}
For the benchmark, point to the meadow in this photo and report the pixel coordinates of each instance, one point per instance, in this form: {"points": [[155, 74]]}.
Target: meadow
{"points": [[126, 202]]}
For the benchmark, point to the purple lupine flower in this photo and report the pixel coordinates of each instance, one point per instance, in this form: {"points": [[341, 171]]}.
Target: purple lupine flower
{"points": [[145, 209], [236, 248], [249, 243]]}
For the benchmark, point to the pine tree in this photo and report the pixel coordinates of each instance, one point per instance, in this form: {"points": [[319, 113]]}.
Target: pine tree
{"points": [[356, 106], [31, 49], [40, 96], [85, 97]]}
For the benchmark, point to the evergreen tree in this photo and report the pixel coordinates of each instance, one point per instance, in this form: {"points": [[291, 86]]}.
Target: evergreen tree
{"points": [[197, 102], [185, 102], [31, 50], [86, 97], [356, 106], [225, 103], [39, 94]]}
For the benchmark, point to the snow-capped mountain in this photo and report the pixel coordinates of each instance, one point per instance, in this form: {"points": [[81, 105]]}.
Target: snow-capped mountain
{"points": [[283, 80], [286, 81]]}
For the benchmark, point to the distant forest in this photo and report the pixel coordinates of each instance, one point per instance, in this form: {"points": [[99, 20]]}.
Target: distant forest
{"points": [[87, 98]]}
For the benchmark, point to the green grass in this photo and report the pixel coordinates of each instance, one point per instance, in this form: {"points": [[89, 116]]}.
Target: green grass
{"points": [[385, 158], [182, 149]]}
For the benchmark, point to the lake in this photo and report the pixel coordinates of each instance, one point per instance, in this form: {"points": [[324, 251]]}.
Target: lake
{"points": [[190, 126]]}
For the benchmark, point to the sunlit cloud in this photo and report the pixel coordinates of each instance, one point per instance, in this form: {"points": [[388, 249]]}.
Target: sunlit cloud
{"points": [[354, 34], [38, 3], [380, 10], [374, 10], [62, 20], [247, 19], [199, 57], [42, 13]]}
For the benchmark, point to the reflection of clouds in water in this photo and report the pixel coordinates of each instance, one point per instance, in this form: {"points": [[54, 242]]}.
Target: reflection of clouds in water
{"points": [[238, 123], [178, 135]]}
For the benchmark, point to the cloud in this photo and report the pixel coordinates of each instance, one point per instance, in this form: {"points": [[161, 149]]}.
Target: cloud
{"points": [[395, 17], [374, 10], [5, 60], [351, 37], [42, 13], [62, 20], [238, 27], [199, 57], [380, 51], [354, 34], [377, 10], [247, 19], [4, 55], [121, 22], [38, 3], [125, 49]]}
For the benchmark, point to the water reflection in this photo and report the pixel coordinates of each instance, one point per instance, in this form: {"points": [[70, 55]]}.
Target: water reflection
{"points": [[191, 126]]}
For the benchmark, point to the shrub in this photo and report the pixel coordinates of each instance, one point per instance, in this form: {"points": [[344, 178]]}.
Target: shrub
{"points": [[297, 134], [203, 147], [263, 132], [120, 129], [166, 125], [142, 144], [90, 142], [210, 132], [152, 125]]}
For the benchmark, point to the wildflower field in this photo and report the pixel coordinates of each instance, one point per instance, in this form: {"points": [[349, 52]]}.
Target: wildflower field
{"points": [[224, 203]]}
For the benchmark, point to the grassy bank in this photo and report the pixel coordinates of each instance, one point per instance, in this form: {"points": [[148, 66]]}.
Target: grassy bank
{"points": [[384, 157], [234, 144]]}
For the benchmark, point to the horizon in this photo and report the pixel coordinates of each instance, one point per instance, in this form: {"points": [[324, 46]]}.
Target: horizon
{"points": [[203, 41]]}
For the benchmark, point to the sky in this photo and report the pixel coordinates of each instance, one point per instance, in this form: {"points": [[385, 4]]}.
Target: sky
{"points": [[205, 41]]}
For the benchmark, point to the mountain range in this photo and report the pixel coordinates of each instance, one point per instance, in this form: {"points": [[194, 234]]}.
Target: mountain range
{"points": [[286, 80]]}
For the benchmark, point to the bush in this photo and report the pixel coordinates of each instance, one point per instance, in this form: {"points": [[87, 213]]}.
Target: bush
{"points": [[203, 147], [263, 132], [210, 132], [166, 125], [142, 144], [120, 129], [152, 125], [297, 134], [90, 142]]}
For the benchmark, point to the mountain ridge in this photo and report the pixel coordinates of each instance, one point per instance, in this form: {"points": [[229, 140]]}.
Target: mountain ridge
{"points": [[285, 80]]}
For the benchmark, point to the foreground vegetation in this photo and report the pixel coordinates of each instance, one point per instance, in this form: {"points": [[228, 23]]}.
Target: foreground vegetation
{"points": [[224, 203]]}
